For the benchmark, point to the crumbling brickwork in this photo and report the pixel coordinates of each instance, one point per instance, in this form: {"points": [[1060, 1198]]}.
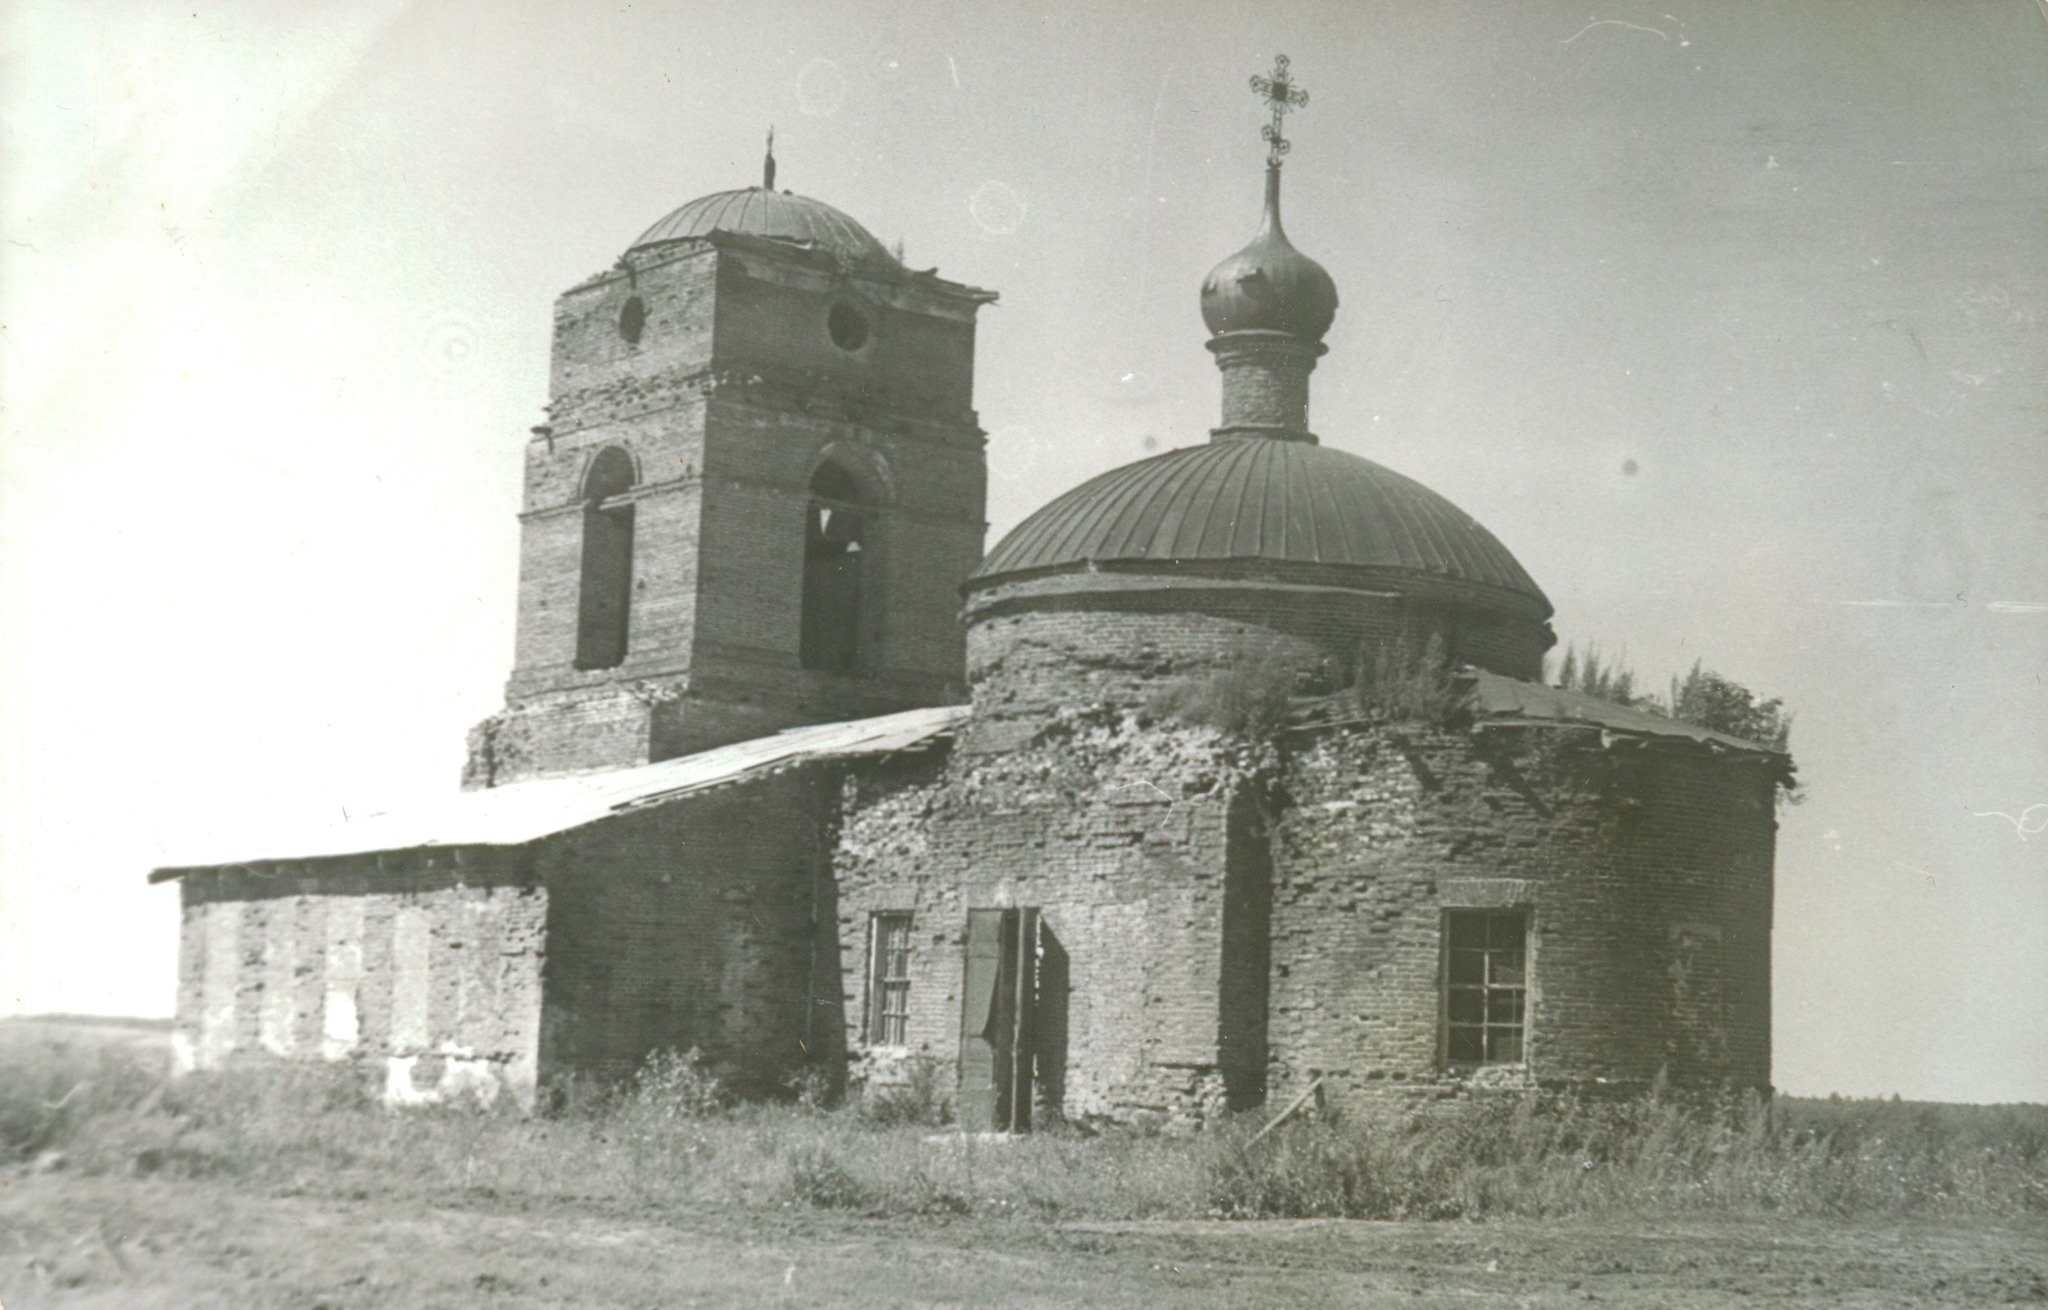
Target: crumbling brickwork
{"points": [[693, 923], [1236, 922], [1114, 637], [1118, 834], [424, 968], [1645, 871], [726, 396], [755, 505]]}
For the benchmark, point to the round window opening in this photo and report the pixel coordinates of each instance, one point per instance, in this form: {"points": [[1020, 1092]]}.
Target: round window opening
{"points": [[633, 320], [848, 326]]}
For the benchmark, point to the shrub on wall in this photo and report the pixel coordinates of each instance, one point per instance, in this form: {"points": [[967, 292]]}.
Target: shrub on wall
{"points": [[1247, 697]]}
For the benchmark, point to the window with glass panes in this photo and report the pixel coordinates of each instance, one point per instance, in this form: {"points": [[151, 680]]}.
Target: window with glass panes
{"points": [[1486, 981], [889, 979]]}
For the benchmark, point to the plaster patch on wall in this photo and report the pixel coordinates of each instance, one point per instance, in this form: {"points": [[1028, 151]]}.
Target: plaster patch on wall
{"points": [[222, 975], [411, 961], [340, 1023], [277, 1008]]}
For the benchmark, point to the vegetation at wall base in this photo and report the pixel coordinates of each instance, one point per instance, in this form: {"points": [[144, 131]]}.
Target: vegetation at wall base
{"points": [[675, 1140]]}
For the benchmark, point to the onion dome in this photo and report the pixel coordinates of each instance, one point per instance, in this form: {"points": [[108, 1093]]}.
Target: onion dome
{"points": [[777, 216], [1275, 502], [1269, 286]]}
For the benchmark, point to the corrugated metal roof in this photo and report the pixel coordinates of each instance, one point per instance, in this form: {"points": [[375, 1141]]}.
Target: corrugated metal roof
{"points": [[526, 811], [1258, 499], [1510, 700], [777, 214]]}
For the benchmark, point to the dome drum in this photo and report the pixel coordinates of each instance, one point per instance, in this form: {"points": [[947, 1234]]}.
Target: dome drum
{"points": [[1265, 384], [1118, 637]]}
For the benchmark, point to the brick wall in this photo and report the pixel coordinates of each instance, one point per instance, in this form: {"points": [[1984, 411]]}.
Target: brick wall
{"points": [[424, 969], [1646, 872], [1120, 836], [688, 924], [1232, 931], [1265, 379], [1113, 638], [727, 402], [606, 726], [695, 923], [918, 356]]}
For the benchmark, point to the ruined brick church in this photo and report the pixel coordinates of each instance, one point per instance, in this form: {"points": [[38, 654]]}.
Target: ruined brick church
{"points": [[793, 773]]}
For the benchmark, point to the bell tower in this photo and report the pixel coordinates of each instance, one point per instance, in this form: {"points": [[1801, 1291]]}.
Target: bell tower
{"points": [[759, 489]]}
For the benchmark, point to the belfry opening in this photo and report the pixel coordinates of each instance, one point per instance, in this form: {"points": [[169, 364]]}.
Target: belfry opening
{"points": [[835, 559]]}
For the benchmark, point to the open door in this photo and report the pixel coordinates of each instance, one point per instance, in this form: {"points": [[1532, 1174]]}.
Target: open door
{"points": [[998, 1020]]}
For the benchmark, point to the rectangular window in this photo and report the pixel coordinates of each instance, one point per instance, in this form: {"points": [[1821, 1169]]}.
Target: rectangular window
{"points": [[1486, 964], [889, 979]]}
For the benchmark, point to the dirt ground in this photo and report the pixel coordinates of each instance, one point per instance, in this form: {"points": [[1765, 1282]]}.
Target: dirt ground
{"points": [[77, 1241]]}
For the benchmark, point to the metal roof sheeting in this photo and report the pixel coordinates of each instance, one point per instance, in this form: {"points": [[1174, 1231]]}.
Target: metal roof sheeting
{"points": [[776, 214], [1259, 499], [527, 811], [1510, 701]]}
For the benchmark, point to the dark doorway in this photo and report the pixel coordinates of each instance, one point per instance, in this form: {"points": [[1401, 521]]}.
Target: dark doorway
{"points": [[1013, 1020]]}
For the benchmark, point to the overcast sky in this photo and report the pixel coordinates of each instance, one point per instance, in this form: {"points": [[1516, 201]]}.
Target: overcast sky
{"points": [[1730, 320]]}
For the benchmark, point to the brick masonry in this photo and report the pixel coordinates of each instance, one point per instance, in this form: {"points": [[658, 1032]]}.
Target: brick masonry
{"points": [[1646, 870], [423, 970], [1222, 920], [1239, 922], [727, 400], [1118, 835], [692, 924], [1114, 637]]}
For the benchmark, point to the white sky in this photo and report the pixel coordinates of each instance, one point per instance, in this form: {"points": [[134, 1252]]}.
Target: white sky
{"points": [[276, 291]]}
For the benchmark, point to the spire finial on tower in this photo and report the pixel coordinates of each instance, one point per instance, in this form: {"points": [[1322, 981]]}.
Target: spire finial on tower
{"points": [[1280, 92], [768, 162]]}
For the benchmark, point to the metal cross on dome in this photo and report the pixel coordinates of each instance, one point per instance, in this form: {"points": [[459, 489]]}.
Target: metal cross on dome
{"points": [[1282, 94]]}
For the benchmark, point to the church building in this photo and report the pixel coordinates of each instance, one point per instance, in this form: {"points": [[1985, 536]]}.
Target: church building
{"points": [[1227, 771]]}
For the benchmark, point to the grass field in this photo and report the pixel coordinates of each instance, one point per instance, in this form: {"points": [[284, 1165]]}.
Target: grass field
{"points": [[119, 1187]]}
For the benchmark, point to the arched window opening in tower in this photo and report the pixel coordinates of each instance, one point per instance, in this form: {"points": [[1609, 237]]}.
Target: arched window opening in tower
{"points": [[605, 590], [835, 545], [633, 320]]}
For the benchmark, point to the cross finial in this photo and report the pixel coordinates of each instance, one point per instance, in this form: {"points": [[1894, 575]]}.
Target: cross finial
{"points": [[1282, 94]]}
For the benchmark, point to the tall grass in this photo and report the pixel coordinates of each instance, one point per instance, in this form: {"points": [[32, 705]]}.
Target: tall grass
{"points": [[673, 1141]]}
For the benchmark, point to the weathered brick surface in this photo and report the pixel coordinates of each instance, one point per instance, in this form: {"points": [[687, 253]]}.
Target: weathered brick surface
{"points": [[727, 403], [1114, 638], [1119, 836], [1265, 380], [689, 924], [425, 969], [1234, 931], [1646, 870], [1234, 919]]}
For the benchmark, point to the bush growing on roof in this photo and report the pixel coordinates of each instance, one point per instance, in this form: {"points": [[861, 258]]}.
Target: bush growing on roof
{"points": [[1708, 700], [1406, 680]]}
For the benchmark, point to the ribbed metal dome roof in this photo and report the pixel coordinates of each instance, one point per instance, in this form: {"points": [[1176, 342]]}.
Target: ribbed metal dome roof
{"points": [[757, 212], [1259, 500]]}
